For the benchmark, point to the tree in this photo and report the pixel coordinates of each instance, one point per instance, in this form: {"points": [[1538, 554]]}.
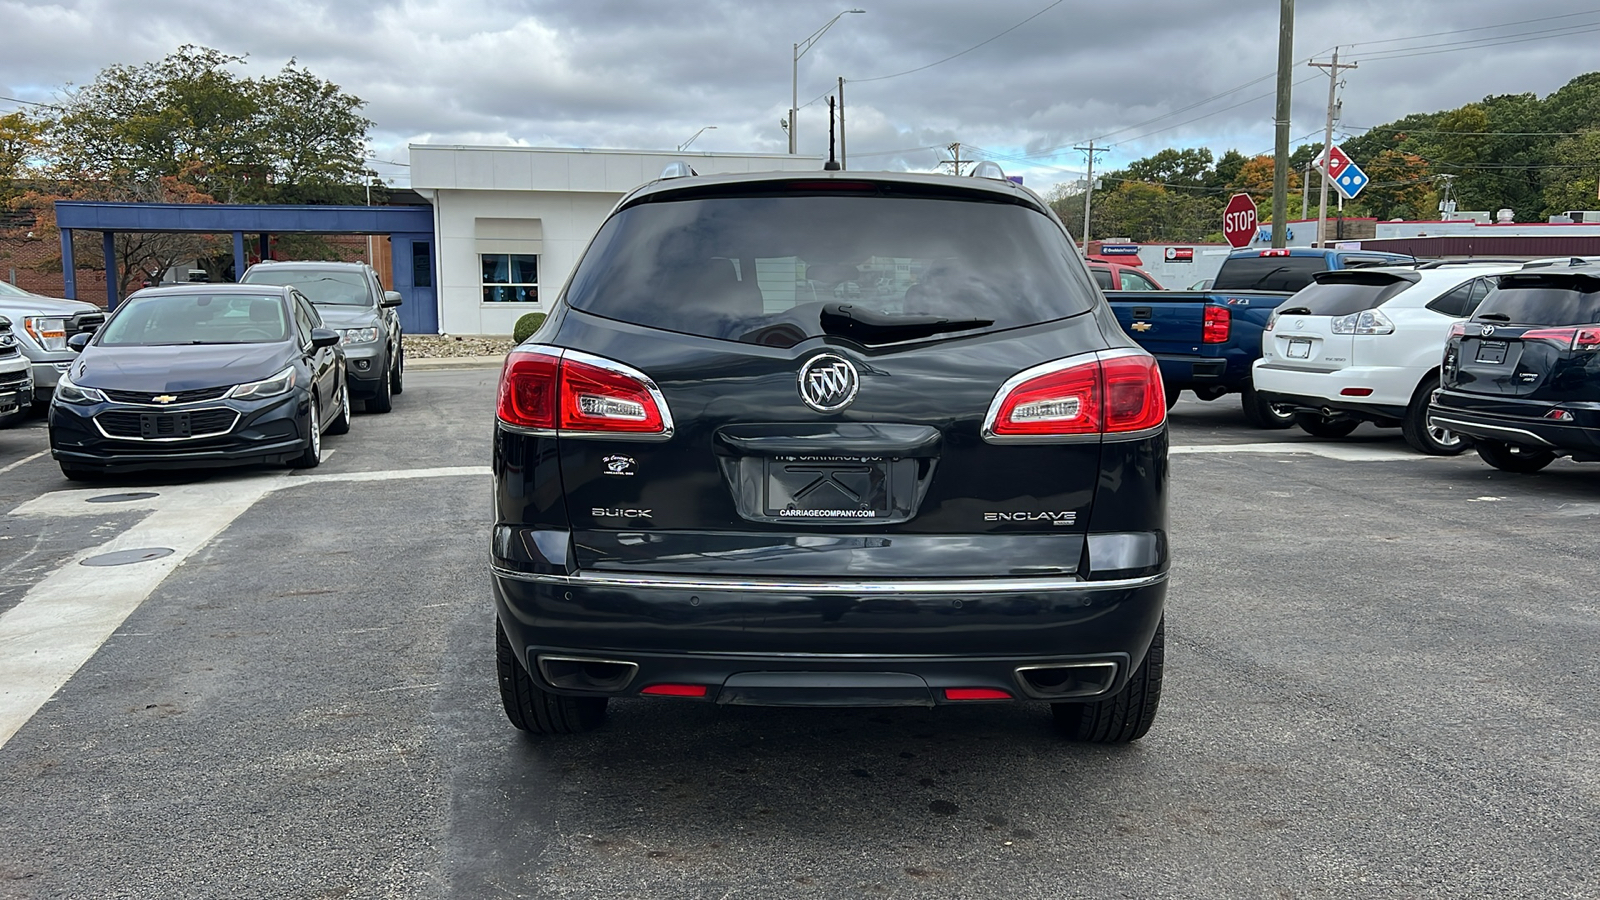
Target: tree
{"points": [[21, 139], [290, 137]]}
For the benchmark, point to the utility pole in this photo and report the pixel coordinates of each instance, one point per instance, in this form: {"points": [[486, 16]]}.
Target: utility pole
{"points": [[1327, 140], [1088, 189], [955, 157], [1280, 149], [842, 163], [1305, 192]]}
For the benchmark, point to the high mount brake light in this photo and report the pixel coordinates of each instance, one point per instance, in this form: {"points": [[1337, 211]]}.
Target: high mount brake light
{"points": [[574, 394], [1275, 253], [1217, 326], [1580, 337], [1096, 395]]}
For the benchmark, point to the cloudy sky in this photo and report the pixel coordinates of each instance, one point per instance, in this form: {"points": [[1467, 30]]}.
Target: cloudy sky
{"points": [[1019, 81]]}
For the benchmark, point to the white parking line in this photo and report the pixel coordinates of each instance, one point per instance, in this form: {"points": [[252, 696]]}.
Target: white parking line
{"points": [[22, 461], [64, 619], [1341, 452]]}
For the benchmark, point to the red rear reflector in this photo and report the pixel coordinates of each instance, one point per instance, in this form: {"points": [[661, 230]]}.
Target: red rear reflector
{"points": [[1218, 325], [541, 388], [675, 690], [1119, 394], [1356, 392], [975, 694]]}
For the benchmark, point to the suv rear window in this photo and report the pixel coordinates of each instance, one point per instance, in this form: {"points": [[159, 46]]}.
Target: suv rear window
{"points": [[1268, 273], [1345, 294], [1543, 300], [777, 270]]}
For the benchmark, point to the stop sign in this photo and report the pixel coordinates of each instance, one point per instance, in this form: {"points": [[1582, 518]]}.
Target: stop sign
{"points": [[1239, 221]]}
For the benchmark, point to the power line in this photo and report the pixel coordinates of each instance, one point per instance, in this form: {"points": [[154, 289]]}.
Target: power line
{"points": [[963, 52], [1414, 37], [1410, 131], [1479, 44], [32, 103]]}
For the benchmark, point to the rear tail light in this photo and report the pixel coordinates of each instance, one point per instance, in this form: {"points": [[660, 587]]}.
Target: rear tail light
{"points": [[1111, 393], [1368, 321], [578, 395], [1218, 325], [1459, 329], [1585, 337]]}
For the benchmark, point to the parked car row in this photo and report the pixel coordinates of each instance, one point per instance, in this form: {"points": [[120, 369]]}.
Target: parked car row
{"points": [[205, 375]]}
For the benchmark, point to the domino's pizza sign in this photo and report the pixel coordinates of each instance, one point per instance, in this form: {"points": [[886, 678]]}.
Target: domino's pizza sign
{"points": [[1347, 177]]}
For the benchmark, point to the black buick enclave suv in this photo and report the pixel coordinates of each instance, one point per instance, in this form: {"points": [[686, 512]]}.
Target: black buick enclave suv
{"points": [[831, 439], [1522, 378]]}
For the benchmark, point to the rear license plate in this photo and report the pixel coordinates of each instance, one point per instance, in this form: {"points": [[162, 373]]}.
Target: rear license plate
{"points": [[1492, 352], [167, 425], [833, 488], [1299, 348]]}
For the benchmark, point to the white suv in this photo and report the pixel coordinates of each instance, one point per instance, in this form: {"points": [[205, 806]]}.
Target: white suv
{"points": [[1364, 345]]}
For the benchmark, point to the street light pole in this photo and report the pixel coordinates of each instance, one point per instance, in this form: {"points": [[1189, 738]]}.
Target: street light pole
{"points": [[800, 50], [685, 145]]}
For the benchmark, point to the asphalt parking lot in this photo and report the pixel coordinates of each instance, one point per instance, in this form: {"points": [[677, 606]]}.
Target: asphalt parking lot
{"points": [[1380, 684]]}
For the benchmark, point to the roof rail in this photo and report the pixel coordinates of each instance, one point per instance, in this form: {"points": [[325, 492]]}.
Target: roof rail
{"points": [[1471, 261]]}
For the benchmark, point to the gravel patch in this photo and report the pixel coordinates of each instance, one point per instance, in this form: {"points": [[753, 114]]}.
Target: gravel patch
{"points": [[447, 346]]}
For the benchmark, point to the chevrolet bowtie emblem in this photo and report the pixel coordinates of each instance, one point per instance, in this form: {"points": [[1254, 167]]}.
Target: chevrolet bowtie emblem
{"points": [[1142, 326], [162, 398]]}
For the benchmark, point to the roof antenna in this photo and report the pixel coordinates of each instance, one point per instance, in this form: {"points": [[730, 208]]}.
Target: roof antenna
{"points": [[832, 165]]}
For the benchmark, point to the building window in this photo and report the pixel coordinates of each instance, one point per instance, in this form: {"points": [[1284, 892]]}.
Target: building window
{"points": [[510, 277], [421, 264]]}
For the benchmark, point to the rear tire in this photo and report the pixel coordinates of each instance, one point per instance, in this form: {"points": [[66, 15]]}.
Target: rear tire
{"points": [[534, 709], [1262, 414], [1319, 425], [1512, 458], [341, 425], [1423, 437], [1127, 715], [312, 457]]}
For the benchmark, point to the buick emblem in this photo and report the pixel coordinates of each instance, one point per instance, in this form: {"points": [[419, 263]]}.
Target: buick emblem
{"points": [[1486, 330], [828, 382]]}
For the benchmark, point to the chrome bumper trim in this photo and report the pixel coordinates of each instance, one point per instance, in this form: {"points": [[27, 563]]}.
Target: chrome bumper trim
{"points": [[883, 586], [1456, 425]]}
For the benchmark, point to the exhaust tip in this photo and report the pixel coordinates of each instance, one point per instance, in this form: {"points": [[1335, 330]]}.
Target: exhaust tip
{"points": [[1067, 681], [579, 673]]}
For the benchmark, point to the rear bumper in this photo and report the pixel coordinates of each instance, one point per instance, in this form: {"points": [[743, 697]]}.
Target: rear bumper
{"points": [[1391, 386], [1202, 371], [1320, 391], [1521, 422], [831, 643]]}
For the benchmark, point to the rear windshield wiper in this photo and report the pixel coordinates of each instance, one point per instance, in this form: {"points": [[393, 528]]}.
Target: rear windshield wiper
{"points": [[1498, 317], [1295, 311], [867, 327]]}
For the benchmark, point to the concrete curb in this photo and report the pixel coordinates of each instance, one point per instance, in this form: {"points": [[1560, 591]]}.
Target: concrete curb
{"points": [[457, 362]]}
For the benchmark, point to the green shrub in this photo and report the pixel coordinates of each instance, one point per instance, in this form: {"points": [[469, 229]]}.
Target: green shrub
{"points": [[527, 325]]}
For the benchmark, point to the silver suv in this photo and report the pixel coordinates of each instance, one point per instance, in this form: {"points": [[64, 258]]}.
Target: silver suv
{"points": [[352, 302]]}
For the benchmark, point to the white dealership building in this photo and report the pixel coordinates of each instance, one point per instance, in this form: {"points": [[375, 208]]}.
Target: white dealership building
{"points": [[510, 222]]}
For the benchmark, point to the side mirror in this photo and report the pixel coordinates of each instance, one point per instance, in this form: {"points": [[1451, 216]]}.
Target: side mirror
{"points": [[5, 323], [77, 342], [391, 299], [323, 337]]}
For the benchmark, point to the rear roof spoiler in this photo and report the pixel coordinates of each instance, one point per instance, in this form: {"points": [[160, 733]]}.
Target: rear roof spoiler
{"points": [[1374, 277]]}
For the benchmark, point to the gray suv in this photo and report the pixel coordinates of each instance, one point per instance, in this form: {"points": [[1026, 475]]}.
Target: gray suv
{"points": [[353, 303], [41, 326]]}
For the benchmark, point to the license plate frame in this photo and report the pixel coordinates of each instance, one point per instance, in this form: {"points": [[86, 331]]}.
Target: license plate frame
{"points": [[1303, 345], [1491, 353], [150, 426], [827, 489]]}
